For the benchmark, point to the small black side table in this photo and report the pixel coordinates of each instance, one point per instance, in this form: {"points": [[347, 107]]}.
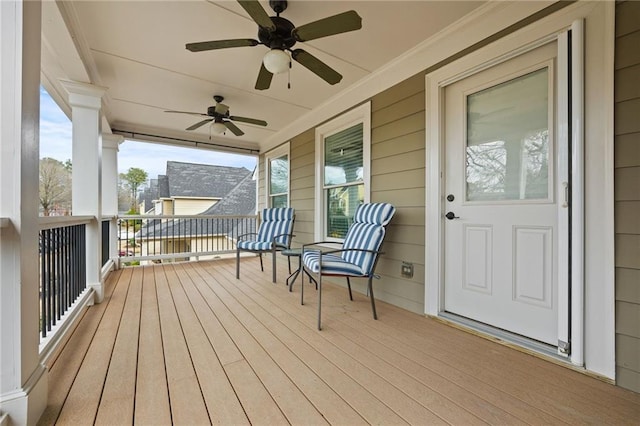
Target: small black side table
{"points": [[296, 252]]}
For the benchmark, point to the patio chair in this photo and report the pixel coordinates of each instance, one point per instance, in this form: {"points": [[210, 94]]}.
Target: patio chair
{"points": [[357, 257], [274, 235]]}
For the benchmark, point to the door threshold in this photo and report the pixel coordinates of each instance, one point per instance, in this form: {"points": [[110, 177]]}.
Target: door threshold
{"points": [[504, 337]]}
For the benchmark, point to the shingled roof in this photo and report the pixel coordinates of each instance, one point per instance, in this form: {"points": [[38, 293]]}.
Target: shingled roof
{"points": [[241, 200], [163, 186], [202, 180]]}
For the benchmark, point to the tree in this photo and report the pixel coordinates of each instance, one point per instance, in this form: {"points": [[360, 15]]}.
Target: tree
{"points": [[133, 179], [55, 185]]}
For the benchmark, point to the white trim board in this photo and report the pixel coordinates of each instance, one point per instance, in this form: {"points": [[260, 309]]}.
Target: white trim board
{"points": [[284, 149], [597, 338]]}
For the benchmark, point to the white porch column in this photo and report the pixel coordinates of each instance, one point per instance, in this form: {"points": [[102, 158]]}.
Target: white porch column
{"points": [[23, 379], [86, 100], [110, 145]]}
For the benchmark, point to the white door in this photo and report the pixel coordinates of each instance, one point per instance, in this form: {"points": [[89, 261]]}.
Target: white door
{"points": [[501, 227]]}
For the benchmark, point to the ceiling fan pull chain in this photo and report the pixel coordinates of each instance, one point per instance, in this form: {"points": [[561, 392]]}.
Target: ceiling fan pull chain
{"points": [[289, 75]]}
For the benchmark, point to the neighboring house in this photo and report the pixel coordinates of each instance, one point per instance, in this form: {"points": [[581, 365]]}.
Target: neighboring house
{"points": [[146, 199], [216, 231], [189, 188]]}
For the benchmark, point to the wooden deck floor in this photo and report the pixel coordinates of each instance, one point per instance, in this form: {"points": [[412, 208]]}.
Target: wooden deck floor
{"points": [[189, 344]]}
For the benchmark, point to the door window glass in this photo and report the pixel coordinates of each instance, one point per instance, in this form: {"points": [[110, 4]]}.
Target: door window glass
{"points": [[507, 140]]}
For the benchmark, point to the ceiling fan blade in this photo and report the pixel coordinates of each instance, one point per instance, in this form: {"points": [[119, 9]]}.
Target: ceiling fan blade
{"points": [[258, 14], [316, 66], [235, 129], [248, 120], [221, 44], [188, 112], [199, 124], [221, 109], [336, 24], [264, 78]]}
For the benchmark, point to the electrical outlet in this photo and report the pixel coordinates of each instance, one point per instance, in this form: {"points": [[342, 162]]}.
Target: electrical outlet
{"points": [[406, 270]]}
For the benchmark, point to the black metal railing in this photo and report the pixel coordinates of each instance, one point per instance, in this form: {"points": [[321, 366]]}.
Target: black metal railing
{"points": [[106, 241], [63, 274], [178, 237]]}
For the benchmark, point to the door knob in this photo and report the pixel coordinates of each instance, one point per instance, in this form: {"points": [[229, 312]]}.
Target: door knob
{"points": [[451, 216]]}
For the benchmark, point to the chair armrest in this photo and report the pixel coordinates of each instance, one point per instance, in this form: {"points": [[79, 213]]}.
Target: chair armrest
{"points": [[244, 235], [315, 243], [352, 249], [276, 244]]}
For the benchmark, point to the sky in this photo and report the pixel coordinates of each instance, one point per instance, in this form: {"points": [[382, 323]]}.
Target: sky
{"points": [[55, 142]]}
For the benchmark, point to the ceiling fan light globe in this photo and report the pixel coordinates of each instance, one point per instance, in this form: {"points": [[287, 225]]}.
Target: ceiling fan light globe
{"points": [[276, 61], [218, 128]]}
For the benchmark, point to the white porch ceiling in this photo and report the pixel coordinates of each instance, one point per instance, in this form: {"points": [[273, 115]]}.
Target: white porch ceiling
{"points": [[136, 49]]}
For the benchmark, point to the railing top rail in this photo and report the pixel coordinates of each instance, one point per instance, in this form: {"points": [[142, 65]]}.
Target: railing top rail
{"points": [[180, 216], [48, 222]]}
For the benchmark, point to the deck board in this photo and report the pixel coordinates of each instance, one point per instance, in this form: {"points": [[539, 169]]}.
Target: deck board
{"points": [[152, 393], [187, 343], [118, 394]]}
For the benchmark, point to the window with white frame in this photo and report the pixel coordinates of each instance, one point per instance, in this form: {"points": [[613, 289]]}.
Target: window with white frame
{"points": [[342, 179], [277, 179]]}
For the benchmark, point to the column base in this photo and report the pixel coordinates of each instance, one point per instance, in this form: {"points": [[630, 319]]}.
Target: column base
{"points": [[26, 405]]}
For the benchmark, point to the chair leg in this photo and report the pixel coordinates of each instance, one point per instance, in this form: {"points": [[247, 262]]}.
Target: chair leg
{"points": [[237, 264], [274, 266], [289, 262], [302, 286], [349, 286], [261, 267], [319, 300], [373, 303]]}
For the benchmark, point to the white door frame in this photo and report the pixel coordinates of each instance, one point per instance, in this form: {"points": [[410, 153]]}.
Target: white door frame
{"points": [[435, 83]]}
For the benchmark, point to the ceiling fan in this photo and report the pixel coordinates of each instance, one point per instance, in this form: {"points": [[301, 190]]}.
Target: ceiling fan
{"points": [[221, 118], [280, 35]]}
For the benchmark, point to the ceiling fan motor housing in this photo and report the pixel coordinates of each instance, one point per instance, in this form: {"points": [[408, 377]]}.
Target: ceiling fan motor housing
{"points": [[281, 38]]}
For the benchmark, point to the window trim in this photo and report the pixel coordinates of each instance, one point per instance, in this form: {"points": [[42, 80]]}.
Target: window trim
{"points": [[360, 114], [275, 153]]}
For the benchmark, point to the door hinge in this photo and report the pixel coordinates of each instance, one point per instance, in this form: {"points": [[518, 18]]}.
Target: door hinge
{"points": [[564, 347], [565, 202]]}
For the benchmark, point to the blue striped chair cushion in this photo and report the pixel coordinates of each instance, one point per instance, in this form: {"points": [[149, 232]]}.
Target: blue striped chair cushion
{"points": [[276, 221], [254, 245], [366, 236], [378, 213], [331, 264]]}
